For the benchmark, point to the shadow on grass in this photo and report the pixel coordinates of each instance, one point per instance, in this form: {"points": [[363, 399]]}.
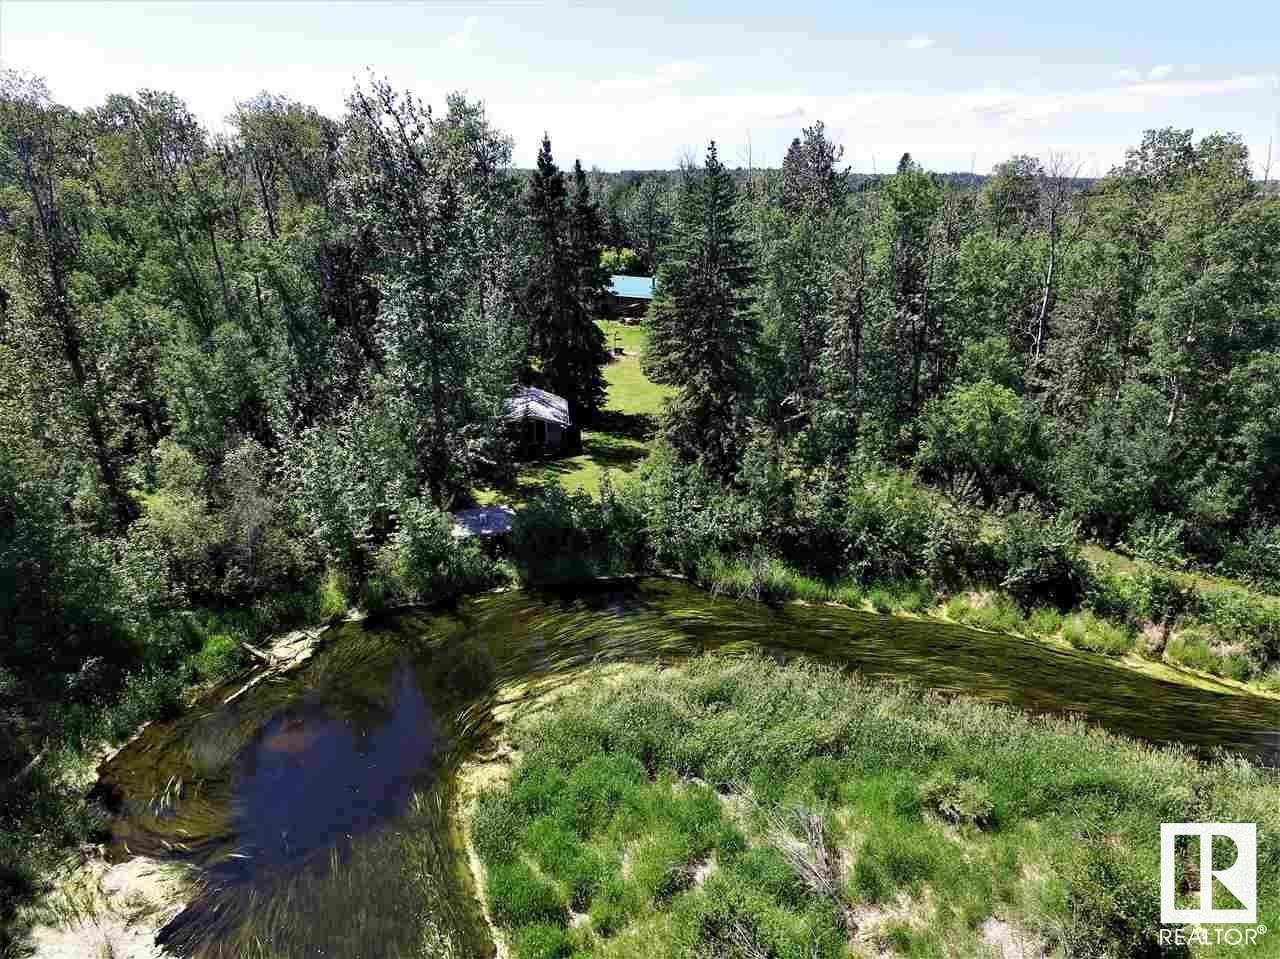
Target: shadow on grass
{"points": [[632, 426]]}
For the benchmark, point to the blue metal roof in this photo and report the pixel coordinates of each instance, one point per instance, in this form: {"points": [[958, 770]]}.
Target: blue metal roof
{"points": [[632, 287]]}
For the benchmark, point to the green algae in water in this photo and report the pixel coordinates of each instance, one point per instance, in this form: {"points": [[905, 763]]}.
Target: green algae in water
{"points": [[317, 808]]}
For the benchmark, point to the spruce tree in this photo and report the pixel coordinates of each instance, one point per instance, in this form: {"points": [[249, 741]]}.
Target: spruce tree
{"points": [[587, 242], [702, 330], [559, 301]]}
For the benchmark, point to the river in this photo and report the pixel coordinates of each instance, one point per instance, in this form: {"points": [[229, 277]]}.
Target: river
{"points": [[317, 809]]}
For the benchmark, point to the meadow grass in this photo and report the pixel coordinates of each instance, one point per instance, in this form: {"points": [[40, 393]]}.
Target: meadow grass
{"points": [[735, 806], [1084, 630]]}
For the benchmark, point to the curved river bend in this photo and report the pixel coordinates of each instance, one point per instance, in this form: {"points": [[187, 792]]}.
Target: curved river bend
{"points": [[316, 809]]}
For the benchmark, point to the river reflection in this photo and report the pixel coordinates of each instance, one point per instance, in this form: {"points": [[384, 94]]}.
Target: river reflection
{"points": [[312, 778]]}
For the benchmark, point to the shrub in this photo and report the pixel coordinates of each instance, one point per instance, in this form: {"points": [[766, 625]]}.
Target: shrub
{"points": [[894, 855], [561, 856], [1086, 631], [592, 792], [1040, 560], [661, 864], [428, 560], [959, 801], [688, 516], [1256, 558], [887, 518], [1112, 901], [954, 552], [331, 595], [220, 656], [987, 431], [1045, 621], [147, 695], [1160, 598], [997, 613], [1157, 540], [615, 903]]}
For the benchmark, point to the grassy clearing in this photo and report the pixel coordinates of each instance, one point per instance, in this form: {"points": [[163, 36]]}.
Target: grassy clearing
{"points": [[741, 808], [621, 439]]}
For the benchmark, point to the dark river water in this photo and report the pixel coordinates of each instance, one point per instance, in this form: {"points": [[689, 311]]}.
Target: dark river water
{"points": [[316, 810]]}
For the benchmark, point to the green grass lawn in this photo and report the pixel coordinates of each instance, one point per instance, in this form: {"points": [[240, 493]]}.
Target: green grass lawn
{"points": [[629, 336], [619, 442]]}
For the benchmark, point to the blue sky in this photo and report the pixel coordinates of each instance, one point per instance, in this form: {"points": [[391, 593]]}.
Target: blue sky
{"points": [[644, 84]]}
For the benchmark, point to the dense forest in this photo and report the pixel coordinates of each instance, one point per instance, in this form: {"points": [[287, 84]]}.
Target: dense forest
{"points": [[246, 375]]}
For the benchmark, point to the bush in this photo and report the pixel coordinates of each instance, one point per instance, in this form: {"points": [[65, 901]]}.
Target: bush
{"points": [[1256, 558], [1112, 900], [148, 695], [496, 827], [562, 857], [959, 801], [220, 656], [1045, 621], [1241, 619], [1040, 560], [887, 519], [994, 612], [592, 791], [690, 517], [1189, 647], [614, 905], [1086, 631], [987, 431], [894, 856], [1159, 598], [428, 561], [1156, 540]]}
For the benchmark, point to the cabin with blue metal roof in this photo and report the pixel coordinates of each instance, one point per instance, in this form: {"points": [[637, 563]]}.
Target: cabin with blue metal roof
{"points": [[629, 296]]}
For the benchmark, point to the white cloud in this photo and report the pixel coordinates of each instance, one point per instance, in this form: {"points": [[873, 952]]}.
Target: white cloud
{"points": [[1160, 72], [919, 42], [664, 77], [1127, 75], [978, 126], [462, 37]]}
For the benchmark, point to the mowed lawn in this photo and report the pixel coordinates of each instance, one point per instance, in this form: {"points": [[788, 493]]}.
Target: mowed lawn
{"points": [[618, 442]]}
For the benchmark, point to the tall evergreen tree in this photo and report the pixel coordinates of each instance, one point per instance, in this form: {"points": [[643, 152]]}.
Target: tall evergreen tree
{"points": [[586, 243], [563, 288], [702, 330], [811, 177]]}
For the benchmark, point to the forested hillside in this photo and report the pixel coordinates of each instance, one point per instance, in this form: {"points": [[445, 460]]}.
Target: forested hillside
{"points": [[247, 373]]}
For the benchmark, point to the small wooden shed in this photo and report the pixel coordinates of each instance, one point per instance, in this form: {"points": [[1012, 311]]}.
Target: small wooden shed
{"points": [[542, 416]]}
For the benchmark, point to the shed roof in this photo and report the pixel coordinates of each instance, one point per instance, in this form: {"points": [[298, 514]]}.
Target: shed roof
{"points": [[529, 402], [631, 287]]}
